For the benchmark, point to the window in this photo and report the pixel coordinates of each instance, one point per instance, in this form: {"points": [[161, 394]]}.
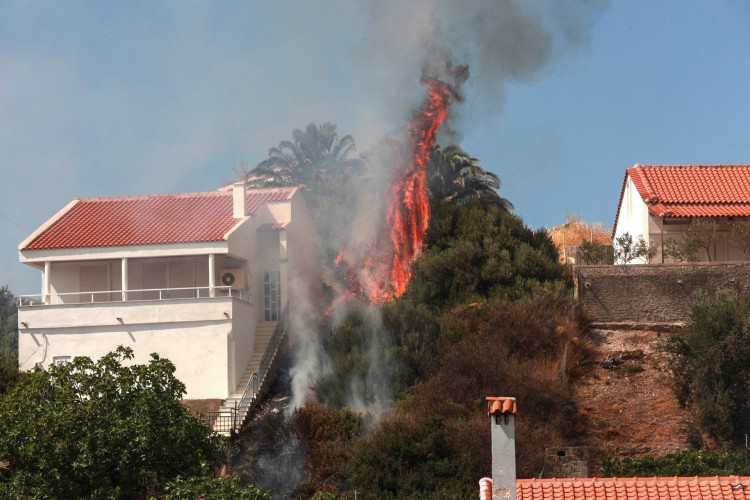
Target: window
{"points": [[271, 295], [60, 360]]}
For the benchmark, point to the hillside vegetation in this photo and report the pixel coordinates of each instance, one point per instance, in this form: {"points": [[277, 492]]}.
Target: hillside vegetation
{"points": [[488, 312]]}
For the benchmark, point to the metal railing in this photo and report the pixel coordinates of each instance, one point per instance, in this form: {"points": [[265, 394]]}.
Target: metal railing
{"points": [[256, 380], [133, 295], [222, 421]]}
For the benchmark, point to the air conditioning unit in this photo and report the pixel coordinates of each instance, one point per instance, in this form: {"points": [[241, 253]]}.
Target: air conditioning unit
{"points": [[234, 278]]}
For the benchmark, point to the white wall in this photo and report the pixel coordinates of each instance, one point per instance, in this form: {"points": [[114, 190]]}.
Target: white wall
{"points": [[244, 322], [192, 333], [634, 216]]}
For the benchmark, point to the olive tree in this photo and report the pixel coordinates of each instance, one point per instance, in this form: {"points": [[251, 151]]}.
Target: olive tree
{"points": [[709, 366]]}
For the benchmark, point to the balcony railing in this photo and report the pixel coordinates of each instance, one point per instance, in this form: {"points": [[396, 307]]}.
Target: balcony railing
{"points": [[133, 295]]}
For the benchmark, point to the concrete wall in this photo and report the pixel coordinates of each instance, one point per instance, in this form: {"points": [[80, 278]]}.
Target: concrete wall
{"points": [[654, 293]]}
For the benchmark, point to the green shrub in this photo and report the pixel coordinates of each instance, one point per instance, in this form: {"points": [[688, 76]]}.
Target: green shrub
{"points": [[408, 459], [213, 488], [686, 463], [709, 365]]}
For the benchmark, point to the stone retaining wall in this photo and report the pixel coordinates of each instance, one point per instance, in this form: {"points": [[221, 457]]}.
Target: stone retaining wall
{"points": [[651, 294]]}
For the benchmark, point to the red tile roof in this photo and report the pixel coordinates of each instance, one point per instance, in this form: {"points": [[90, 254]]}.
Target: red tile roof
{"points": [[649, 488], [149, 220], [691, 190]]}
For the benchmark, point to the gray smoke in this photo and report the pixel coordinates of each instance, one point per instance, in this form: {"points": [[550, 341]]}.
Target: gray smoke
{"points": [[501, 42]]}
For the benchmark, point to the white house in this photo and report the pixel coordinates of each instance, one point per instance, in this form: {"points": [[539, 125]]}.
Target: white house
{"points": [[658, 202], [200, 278]]}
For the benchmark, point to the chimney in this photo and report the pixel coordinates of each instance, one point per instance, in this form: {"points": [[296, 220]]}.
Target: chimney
{"points": [[239, 200], [502, 413]]}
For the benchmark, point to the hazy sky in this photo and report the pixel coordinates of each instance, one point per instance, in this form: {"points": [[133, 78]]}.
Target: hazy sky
{"points": [[121, 98]]}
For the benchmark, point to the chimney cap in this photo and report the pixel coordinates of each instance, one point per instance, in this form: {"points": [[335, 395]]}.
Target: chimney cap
{"points": [[501, 405]]}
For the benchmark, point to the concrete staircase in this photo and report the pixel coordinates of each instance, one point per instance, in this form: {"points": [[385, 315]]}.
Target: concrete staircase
{"points": [[263, 335]]}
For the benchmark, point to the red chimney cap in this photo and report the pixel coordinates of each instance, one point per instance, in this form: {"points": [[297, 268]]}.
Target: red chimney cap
{"points": [[502, 406]]}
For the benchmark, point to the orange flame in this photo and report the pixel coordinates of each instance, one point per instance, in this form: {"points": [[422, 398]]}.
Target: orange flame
{"points": [[382, 272]]}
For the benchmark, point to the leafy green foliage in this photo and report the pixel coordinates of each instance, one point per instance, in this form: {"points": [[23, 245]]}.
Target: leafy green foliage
{"points": [[686, 463], [8, 339], [356, 345], [100, 430], [627, 250], [709, 363], [213, 488], [592, 252], [700, 235], [478, 250]]}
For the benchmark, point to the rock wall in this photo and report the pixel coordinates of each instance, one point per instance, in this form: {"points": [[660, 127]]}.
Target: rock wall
{"points": [[651, 294], [572, 461]]}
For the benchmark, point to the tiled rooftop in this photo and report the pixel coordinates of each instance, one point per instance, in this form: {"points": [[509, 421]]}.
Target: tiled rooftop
{"points": [[692, 190], [650, 488], [149, 220]]}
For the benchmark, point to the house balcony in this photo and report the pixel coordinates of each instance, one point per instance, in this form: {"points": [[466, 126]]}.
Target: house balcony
{"points": [[114, 308]]}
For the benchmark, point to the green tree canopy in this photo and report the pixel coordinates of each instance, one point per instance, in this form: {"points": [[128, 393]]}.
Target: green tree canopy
{"points": [[316, 159], [100, 430], [479, 250]]}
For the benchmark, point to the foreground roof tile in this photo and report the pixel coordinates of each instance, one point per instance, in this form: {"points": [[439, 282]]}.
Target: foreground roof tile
{"points": [[649, 488]]}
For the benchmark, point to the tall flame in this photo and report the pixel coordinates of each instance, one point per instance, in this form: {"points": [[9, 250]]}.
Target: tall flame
{"points": [[382, 272]]}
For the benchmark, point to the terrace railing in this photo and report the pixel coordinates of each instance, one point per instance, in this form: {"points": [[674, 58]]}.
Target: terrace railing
{"points": [[223, 421], [133, 295]]}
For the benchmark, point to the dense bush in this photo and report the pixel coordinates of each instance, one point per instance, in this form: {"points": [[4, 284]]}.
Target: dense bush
{"points": [[213, 488], [686, 463], [100, 430], [409, 459], [478, 250], [709, 363], [362, 354]]}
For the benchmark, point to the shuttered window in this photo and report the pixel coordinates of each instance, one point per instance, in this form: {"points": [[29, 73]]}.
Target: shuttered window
{"points": [[94, 278], [154, 277], [181, 275]]}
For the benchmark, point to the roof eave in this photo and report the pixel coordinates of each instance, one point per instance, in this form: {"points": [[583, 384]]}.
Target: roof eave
{"points": [[119, 252]]}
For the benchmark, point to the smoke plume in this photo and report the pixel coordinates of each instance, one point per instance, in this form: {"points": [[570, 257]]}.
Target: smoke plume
{"points": [[475, 50]]}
